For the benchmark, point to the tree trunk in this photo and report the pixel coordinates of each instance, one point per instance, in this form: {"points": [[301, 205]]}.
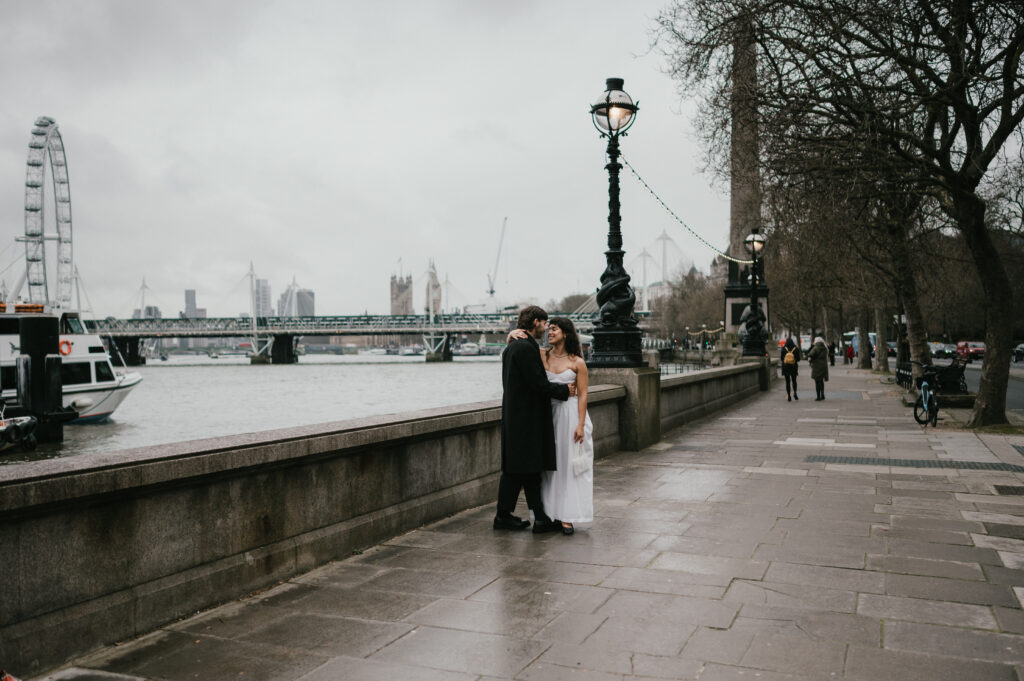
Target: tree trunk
{"points": [[907, 287], [864, 341], [825, 331], [881, 341], [990, 405]]}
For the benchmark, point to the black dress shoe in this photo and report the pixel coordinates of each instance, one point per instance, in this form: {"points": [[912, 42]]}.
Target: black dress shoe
{"points": [[542, 526], [567, 528], [510, 522]]}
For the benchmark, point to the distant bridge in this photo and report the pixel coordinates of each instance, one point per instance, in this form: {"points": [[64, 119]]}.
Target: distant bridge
{"points": [[274, 337], [347, 325]]}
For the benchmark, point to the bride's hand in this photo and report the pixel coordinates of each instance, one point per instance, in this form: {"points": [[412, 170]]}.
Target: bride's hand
{"points": [[514, 334], [578, 435]]}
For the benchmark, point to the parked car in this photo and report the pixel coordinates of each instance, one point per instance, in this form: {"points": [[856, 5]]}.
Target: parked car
{"points": [[1018, 353], [938, 350], [891, 348]]}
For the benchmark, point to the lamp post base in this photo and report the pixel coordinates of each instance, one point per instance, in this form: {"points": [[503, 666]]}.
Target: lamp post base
{"points": [[753, 349], [619, 348]]}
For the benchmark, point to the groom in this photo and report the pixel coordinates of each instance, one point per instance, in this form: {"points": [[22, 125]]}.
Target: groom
{"points": [[527, 433]]}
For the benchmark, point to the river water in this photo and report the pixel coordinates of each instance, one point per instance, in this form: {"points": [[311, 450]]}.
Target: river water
{"points": [[193, 397]]}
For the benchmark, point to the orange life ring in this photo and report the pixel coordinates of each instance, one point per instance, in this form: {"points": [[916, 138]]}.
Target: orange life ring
{"points": [[65, 347]]}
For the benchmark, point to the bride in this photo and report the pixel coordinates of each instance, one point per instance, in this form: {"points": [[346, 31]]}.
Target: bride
{"points": [[567, 496]]}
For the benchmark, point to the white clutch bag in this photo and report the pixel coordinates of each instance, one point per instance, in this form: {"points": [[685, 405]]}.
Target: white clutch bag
{"points": [[581, 461]]}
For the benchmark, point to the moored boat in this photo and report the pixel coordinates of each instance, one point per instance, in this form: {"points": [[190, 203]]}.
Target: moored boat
{"points": [[468, 349], [90, 385]]}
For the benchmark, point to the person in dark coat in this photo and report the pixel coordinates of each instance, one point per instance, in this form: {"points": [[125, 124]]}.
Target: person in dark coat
{"points": [[790, 351], [527, 432], [818, 357]]}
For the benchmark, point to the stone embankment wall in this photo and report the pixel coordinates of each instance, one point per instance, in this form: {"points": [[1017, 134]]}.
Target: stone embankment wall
{"points": [[686, 397], [101, 548]]}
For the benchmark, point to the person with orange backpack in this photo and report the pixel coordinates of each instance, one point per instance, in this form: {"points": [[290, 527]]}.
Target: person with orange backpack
{"points": [[789, 359]]}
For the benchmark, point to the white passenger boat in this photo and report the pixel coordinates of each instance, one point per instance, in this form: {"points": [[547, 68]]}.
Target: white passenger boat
{"points": [[468, 349], [91, 386]]}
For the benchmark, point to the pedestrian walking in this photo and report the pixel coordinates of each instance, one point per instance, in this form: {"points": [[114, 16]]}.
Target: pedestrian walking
{"points": [[818, 357], [832, 354], [789, 357], [849, 354]]}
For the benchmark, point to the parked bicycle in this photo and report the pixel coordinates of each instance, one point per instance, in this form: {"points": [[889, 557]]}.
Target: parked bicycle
{"points": [[926, 408]]}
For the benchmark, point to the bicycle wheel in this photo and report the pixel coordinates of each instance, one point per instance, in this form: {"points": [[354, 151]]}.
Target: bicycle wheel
{"points": [[933, 409], [920, 413], [963, 385]]}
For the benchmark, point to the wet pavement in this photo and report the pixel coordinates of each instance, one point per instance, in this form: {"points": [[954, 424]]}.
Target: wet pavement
{"points": [[776, 541]]}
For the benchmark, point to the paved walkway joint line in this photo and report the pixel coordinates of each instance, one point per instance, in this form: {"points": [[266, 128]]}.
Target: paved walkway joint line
{"points": [[916, 463]]}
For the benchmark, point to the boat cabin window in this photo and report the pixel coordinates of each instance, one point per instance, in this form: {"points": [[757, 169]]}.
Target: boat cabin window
{"points": [[71, 325], [75, 373], [104, 372], [8, 378]]}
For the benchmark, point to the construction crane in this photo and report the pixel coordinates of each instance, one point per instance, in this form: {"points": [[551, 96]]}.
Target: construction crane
{"points": [[497, 261]]}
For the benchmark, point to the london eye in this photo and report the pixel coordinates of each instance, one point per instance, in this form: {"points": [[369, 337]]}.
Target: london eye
{"points": [[44, 146]]}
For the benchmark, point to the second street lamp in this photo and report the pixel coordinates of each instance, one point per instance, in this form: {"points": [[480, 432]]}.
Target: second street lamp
{"points": [[617, 339], [754, 331]]}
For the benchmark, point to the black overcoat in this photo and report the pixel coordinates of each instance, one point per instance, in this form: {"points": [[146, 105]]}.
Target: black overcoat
{"points": [[527, 432], [818, 357]]}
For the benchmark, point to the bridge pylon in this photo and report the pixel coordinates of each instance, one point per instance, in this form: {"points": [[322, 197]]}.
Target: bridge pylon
{"points": [[438, 347]]}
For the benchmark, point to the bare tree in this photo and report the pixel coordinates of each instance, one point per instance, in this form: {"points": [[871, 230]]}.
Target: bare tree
{"points": [[924, 91]]}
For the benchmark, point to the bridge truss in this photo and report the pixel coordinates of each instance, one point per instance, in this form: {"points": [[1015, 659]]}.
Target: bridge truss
{"points": [[354, 325]]}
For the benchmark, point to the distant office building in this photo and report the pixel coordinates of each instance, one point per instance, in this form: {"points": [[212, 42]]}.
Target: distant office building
{"points": [[193, 312], [262, 303], [148, 312], [433, 304], [296, 302], [401, 294]]}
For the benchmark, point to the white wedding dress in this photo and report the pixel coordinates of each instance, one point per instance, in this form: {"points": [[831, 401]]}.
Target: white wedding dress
{"points": [[568, 497]]}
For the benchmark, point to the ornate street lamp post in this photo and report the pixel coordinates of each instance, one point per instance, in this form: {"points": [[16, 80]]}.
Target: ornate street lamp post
{"points": [[617, 340], [754, 332]]}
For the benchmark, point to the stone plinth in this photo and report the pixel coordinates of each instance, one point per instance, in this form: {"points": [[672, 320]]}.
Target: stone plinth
{"points": [[765, 375], [640, 413]]}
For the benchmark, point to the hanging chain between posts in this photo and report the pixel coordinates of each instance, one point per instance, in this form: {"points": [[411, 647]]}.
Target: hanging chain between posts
{"points": [[679, 219], [704, 332]]}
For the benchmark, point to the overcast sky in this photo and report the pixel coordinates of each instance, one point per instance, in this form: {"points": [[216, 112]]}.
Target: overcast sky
{"points": [[326, 141]]}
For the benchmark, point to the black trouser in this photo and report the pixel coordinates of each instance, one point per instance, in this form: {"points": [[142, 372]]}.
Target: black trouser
{"points": [[819, 385], [790, 379], [508, 492]]}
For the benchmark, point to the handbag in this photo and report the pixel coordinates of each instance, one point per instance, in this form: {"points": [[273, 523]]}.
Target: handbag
{"points": [[581, 461]]}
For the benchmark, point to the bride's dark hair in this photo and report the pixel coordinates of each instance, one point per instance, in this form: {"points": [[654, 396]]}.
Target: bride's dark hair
{"points": [[572, 339]]}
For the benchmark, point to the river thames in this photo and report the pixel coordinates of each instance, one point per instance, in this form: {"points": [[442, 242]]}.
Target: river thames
{"points": [[194, 397]]}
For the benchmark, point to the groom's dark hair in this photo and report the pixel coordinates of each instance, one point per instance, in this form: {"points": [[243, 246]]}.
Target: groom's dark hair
{"points": [[528, 315]]}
